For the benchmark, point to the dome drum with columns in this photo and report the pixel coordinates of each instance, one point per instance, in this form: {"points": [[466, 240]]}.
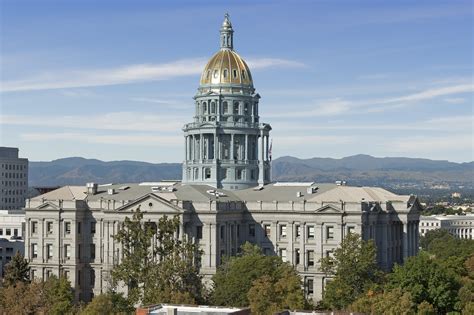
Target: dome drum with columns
{"points": [[226, 146]]}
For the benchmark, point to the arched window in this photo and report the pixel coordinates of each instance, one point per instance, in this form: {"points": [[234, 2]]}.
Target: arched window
{"points": [[236, 108], [204, 108], [225, 107], [246, 109], [225, 73], [208, 76], [234, 73], [213, 107], [216, 74], [243, 74]]}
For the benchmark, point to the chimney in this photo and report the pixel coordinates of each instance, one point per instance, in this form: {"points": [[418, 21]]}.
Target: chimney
{"points": [[299, 194], [110, 191], [92, 188]]}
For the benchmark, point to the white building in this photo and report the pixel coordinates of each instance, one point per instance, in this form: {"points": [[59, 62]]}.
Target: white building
{"points": [[13, 179], [226, 198], [460, 226], [12, 227]]}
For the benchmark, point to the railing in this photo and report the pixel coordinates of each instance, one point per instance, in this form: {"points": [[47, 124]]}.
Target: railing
{"points": [[228, 124]]}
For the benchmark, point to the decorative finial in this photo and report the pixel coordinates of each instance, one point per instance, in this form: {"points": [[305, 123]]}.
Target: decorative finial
{"points": [[226, 33]]}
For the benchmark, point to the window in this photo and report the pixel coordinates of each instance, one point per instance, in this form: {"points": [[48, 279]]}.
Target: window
{"points": [[207, 173], [283, 254], [225, 73], [222, 232], [236, 108], [199, 232], [78, 227], [297, 256], [252, 230], [239, 173], [66, 274], [350, 229], [92, 227], [216, 74], [1, 231], [225, 107], [243, 74], [92, 280], [8, 232], [310, 232], [49, 251], [330, 232], [310, 255], [309, 286], [79, 251], [267, 228], [49, 227], [33, 274], [297, 231], [234, 73], [34, 250], [34, 227], [67, 251], [15, 232], [49, 273], [283, 231], [92, 246], [213, 108], [79, 277], [67, 227]]}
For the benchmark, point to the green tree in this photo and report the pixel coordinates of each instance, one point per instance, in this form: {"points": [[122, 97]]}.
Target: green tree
{"points": [[165, 271], [355, 270], [387, 302], [266, 275], [17, 270], [427, 280], [108, 303], [425, 308], [58, 296], [269, 295]]}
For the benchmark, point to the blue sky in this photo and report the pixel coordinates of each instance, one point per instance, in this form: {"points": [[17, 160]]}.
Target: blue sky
{"points": [[114, 80]]}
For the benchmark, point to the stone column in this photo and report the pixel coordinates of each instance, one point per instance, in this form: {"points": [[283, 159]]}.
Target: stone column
{"points": [[201, 146], [186, 149], [261, 178], [246, 147], [216, 146], [405, 240], [232, 146]]}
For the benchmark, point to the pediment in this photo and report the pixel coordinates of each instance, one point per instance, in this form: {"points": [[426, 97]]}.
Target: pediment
{"points": [[151, 203], [329, 209], [48, 206]]}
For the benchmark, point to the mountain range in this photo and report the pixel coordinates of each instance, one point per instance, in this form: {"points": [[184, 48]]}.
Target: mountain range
{"points": [[390, 172]]}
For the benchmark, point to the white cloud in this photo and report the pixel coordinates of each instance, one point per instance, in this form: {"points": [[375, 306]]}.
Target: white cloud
{"points": [[111, 121], [433, 93], [126, 74], [455, 100], [141, 139]]}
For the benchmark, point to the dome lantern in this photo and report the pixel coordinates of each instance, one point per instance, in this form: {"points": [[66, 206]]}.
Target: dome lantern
{"points": [[227, 33]]}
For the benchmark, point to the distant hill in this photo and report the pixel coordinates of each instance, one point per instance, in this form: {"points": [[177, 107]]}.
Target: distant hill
{"points": [[393, 172]]}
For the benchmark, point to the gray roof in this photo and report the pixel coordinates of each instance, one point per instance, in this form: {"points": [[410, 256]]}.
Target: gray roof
{"points": [[282, 192]]}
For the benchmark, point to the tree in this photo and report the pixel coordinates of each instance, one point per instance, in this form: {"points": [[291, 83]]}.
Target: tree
{"points": [[269, 295], [108, 303], [162, 272], [427, 280], [58, 295], [17, 270], [240, 279], [355, 270]]}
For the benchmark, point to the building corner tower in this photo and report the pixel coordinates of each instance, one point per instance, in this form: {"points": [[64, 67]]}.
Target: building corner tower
{"points": [[226, 146]]}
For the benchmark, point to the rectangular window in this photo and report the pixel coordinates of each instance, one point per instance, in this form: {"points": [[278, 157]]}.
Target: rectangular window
{"points": [[283, 254], [34, 250], [78, 277], [34, 227], [67, 251], [283, 231], [15, 232], [78, 227], [268, 230], [310, 232], [49, 227], [329, 232], [92, 251], [49, 251], [350, 229], [222, 232], [8, 232], [92, 227], [66, 274], [310, 255], [49, 273], [79, 251], [199, 232], [252, 230], [297, 256], [67, 227], [92, 280], [297, 230], [1, 231], [309, 286]]}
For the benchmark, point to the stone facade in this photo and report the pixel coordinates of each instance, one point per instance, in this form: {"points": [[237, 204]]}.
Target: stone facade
{"points": [[460, 226], [70, 231]]}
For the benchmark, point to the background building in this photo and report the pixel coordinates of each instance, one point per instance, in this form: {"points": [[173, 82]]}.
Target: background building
{"points": [[13, 179], [12, 228], [460, 226]]}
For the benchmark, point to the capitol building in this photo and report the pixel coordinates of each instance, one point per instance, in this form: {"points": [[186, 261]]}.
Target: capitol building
{"points": [[225, 198]]}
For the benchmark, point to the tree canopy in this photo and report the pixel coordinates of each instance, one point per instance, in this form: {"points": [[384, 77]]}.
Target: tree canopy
{"points": [[161, 271], [266, 283], [354, 267], [17, 270]]}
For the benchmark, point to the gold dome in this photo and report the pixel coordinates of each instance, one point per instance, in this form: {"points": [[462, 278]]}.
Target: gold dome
{"points": [[226, 67]]}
